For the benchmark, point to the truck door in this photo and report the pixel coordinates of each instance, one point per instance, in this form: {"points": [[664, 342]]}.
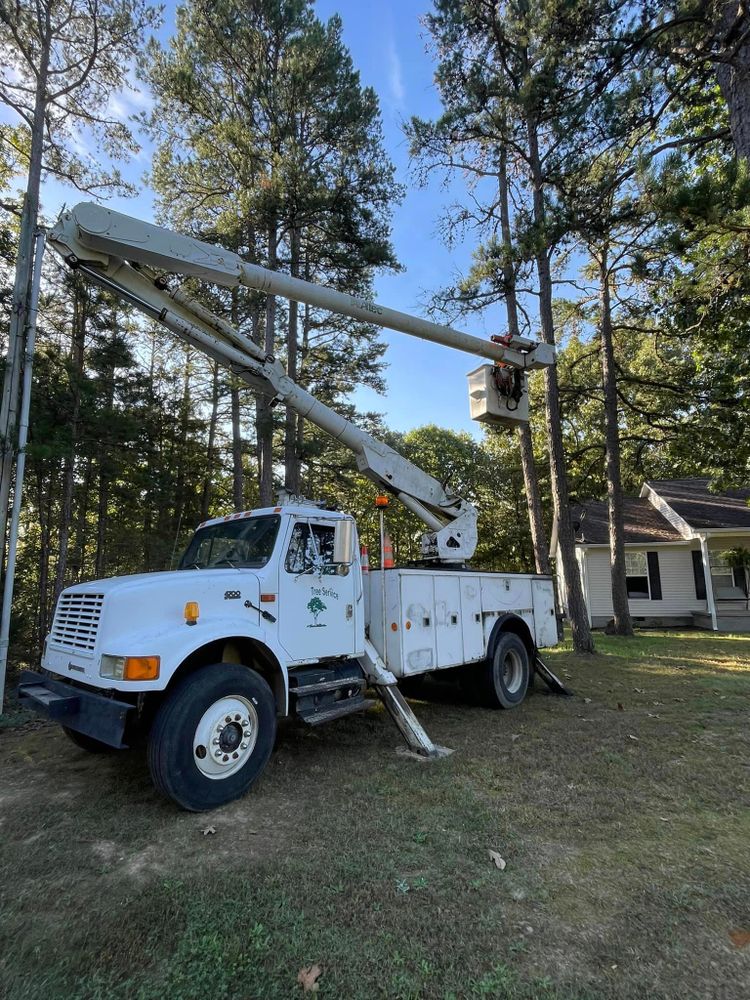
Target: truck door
{"points": [[317, 606]]}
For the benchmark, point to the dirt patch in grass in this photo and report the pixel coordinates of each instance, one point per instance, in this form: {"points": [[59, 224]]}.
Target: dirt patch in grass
{"points": [[622, 814]]}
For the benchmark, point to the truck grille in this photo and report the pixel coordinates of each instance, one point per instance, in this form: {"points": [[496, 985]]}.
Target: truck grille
{"points": [[77, 621]]}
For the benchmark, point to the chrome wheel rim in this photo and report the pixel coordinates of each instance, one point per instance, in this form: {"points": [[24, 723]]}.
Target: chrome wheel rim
{"points": [[225, 737], [511, 670]]}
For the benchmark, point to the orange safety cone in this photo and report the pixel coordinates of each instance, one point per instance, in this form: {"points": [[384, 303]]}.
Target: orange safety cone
{"points": [[387, 552], [364, 559]]}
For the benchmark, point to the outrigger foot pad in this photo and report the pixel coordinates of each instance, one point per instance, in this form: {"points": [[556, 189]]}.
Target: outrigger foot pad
{"points": [[418, 742], [552, 681]]}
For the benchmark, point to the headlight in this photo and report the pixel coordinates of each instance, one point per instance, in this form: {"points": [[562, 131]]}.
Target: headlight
{"points": [[129, 668]]}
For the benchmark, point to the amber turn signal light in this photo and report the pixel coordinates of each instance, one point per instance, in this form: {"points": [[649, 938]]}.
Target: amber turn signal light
{"points": [[192, 611], [141, 668], [381, 500]]}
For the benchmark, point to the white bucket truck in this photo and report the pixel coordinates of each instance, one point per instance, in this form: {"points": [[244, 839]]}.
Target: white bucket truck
{"points": [[270, 613]]}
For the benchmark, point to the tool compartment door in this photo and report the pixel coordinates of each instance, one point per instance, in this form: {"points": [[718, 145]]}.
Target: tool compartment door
{"points": [[471, 619], [545, 622], [417, 624], [448, 632]]}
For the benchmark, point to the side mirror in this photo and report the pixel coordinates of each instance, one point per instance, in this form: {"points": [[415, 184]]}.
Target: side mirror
{"points": [[343, 540]]}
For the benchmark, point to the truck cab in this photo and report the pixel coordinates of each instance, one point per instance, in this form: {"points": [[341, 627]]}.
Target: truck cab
{"points": [[264, 576]]}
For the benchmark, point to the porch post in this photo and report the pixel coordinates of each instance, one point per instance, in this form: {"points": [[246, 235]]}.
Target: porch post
{"points": [[709, 583]]}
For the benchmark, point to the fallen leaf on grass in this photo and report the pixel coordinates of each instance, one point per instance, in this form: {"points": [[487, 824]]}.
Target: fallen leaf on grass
{"points": [[209, 829], [631, 737], [516, 736], [497, 860], [740, 938], [640, 690], [620, 707], [587, 701], [308, 977]]}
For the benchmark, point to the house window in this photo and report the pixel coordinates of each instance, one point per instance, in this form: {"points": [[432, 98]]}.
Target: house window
{"points": [[636, 572], [727, 582]]}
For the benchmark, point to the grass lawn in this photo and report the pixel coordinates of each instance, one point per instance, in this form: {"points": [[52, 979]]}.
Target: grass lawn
{"points": [[622, 814]]}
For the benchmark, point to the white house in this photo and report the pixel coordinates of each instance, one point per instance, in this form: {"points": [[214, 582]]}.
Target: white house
{"points": [[677, 534]]}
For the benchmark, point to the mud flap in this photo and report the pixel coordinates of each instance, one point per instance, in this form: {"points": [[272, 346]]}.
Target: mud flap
{"points": [[552, 681]]}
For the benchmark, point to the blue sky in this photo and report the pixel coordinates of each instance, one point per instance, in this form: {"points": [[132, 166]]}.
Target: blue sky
{"points": [[426, 382]]}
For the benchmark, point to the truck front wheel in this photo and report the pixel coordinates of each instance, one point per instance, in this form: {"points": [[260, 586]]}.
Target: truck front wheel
{"points": [[212, 736], [503, 680]]}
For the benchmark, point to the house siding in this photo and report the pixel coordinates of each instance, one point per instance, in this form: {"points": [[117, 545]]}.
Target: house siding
{"points": [[677, 585]]}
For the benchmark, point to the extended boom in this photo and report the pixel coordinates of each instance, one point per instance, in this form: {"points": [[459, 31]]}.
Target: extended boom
{"points": [[132, 259]]}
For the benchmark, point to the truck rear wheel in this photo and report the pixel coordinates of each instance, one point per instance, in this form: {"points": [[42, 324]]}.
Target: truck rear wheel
{"points": [[212, 737], [503, 680]]}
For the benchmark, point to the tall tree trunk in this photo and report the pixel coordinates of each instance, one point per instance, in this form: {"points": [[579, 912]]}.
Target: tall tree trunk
{"points": [[734, 73], [105, 466], [620, 606], [530, 477], [181, 483], [21, 292], [81, 301], [105, 475], [291, 458], [238, 477], [211, 446], [238, 474], [303, 352], [264, 419], [102, 517], [82, 516], [582, 639], [44, 488], [152, 442], [533, 496]]}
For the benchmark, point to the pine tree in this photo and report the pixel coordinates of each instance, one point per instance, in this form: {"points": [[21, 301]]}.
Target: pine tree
{"points": [[275, 148], [58, 65]]}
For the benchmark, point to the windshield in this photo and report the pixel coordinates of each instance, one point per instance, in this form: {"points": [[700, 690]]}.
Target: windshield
{"points": [[245, 543]]}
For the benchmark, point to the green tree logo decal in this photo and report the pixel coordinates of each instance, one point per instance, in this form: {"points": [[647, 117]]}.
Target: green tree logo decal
{"points": [[315, 606]]}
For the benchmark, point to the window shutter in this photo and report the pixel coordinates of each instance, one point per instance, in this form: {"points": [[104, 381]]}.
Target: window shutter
{"points": [[699, 576], [654, 577]]}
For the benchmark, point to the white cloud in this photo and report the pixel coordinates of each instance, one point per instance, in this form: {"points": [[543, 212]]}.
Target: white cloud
{"points": [[395, 74], [131, 98]]}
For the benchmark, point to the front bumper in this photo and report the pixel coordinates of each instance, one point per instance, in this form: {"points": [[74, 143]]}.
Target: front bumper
{"points": [[84, 711]]}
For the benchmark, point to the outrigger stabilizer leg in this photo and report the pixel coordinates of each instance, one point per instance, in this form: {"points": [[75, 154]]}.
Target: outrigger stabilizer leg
{"points": [[552, 681], [384, 683], [408, 724]]}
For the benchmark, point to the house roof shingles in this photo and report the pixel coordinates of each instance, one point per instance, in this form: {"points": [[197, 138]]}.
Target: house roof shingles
{"points": [[643, 523], [692, 500]]}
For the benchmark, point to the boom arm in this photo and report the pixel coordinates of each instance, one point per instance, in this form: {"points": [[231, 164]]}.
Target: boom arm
{"points": [[129, 258]]}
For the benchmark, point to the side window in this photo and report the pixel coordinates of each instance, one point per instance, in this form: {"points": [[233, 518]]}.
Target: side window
{"points": [[636, 572], [310, 547]]}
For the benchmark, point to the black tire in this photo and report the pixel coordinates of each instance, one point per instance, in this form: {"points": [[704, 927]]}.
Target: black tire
{"points": [[502, 681], [87, 743], [172, 756]]}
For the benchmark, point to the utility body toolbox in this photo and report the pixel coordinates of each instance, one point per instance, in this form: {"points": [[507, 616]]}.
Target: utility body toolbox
{"points": [[435, 618]]}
